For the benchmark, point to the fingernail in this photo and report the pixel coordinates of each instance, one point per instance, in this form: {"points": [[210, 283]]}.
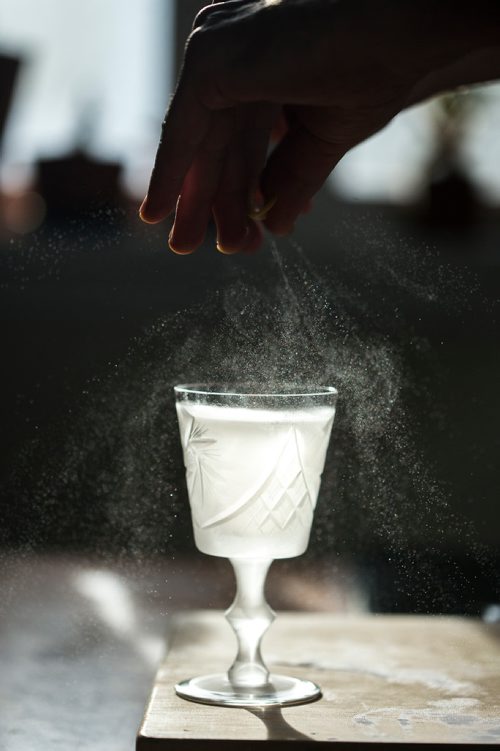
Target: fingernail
{"points": [[230, 251], [227, 251], [142, 212], [178, 251]]}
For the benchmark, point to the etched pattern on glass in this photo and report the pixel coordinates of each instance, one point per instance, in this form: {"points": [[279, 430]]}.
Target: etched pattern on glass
{"points": [[282, 494], [201, 460]]}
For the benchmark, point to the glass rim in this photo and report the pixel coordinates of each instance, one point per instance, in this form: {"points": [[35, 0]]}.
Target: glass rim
{"points": [[202, 389]]}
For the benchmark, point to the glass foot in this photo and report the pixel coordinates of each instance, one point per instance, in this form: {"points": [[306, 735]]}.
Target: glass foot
{"points": [[281, 690]]}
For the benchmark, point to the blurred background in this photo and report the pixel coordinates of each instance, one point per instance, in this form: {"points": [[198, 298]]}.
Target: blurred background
{"points": [[389, 288]]}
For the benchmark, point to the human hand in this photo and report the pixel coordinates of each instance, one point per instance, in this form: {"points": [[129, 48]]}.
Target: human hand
{"points": [[338, 70]]}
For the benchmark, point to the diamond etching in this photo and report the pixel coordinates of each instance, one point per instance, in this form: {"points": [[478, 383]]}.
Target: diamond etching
{"points": [[284, 497], [280, 510]]}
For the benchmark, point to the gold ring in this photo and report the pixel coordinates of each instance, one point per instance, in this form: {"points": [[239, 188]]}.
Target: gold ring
{"points": [[260, 214]]}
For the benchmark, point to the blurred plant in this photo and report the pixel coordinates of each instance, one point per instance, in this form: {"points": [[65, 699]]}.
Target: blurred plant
{"points": [[451, 200]]}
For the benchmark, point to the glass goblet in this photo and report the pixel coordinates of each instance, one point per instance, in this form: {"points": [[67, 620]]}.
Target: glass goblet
{"points": [[253, 470]]}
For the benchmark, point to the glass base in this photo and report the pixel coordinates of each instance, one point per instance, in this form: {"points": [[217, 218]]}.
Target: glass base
{"points": [[281, 690]]}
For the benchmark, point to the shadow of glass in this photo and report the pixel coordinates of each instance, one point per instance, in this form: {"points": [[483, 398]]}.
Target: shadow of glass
{"points": [[278, 729]]}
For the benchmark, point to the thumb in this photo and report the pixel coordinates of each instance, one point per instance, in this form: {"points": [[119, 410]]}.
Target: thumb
{"points": [[295, 171]]}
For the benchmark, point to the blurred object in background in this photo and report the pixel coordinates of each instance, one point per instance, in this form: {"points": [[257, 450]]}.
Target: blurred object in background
{"points": [[77, 184], [388, 167], [443, 155], [94, 322], [95, 78], [22, 212], [9, 68], [480, 146], [451, 200]]}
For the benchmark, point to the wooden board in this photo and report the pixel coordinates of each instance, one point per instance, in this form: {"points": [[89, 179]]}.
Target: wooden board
{"points": [[385, 679]]}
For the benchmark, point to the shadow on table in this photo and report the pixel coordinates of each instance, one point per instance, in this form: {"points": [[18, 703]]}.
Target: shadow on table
{"points": [[278, 729]]}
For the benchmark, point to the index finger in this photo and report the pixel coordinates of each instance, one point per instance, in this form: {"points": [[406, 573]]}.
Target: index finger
{"points": [[185, 126]]}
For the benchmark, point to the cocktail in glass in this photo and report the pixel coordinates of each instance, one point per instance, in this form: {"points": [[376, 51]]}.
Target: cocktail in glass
{"points": [[253, 469]]}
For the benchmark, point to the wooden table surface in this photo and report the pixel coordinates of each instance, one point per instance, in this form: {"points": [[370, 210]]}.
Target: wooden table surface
{"points": [[81, 637], [399, 680]]}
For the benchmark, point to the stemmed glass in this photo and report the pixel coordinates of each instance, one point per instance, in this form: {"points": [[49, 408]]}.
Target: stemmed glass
{"points": [[253, 469]]}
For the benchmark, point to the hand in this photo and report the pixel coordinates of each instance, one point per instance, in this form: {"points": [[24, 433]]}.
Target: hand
{"points": [[337, 70]]}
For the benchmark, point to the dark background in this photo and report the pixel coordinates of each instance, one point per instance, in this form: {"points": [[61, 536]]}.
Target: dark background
{"points": [[99, 320]]}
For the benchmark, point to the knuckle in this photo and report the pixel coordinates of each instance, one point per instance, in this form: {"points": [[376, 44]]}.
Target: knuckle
{"points": [[197, 43], [202, 16], [211, 15]]}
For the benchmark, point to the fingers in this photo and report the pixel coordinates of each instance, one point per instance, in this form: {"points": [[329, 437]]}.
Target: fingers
{"points": [[184, 129], [245, 159], [231, 201], [187, 122], [296, 170], [200, 185], [190, 153], [213, 150], [212, 11]]}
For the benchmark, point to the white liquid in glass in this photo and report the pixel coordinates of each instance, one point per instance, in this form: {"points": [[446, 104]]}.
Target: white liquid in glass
{"points": [[253, 476]]}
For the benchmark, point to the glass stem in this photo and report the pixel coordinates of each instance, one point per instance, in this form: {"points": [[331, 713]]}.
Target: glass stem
{"points": [[250, 616]]}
